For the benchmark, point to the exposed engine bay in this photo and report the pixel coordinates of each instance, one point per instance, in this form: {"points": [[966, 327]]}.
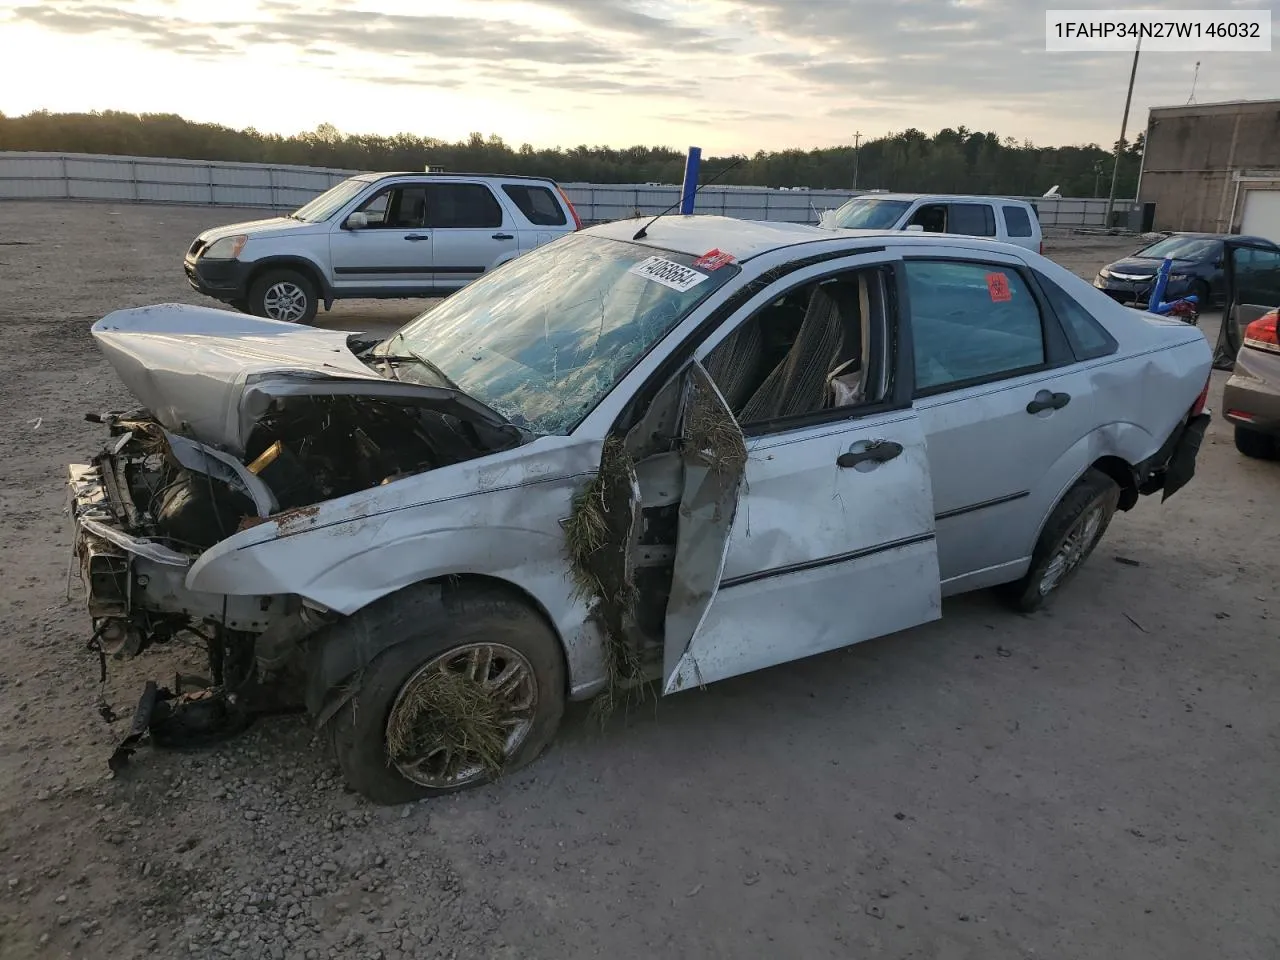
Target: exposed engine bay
{"points": [[310, 450], [152, 501]]}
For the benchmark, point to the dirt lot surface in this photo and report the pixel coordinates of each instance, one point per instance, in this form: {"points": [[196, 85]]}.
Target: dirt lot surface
{"points": [[1098, 781]]}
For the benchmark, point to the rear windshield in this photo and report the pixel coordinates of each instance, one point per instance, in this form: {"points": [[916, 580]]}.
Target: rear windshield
{"points": [[538, 204]]}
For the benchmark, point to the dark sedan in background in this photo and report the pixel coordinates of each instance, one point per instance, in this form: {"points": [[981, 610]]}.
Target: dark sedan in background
{"points": [[1197, 269]]}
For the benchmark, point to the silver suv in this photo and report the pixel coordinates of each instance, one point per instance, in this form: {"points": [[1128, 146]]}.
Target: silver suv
{"points": [[378, 235]]}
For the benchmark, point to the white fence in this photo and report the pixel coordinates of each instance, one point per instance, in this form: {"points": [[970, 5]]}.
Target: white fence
{"points": [[59, 176]]}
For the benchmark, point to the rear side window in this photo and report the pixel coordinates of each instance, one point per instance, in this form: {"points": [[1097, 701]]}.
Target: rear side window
{"points": [[1017, 222], [970, 323], [538, 204], [462, 205], [972, 219], [1087, 336]]}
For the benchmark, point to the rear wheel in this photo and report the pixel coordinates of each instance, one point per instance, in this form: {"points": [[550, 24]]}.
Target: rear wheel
{"points": [[284, 295], [1073, 530], [470, 688], [1259, 446]]}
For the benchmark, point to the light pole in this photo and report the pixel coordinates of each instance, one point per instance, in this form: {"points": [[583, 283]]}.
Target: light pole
{"points": [[1124, 125], [857, 139]]}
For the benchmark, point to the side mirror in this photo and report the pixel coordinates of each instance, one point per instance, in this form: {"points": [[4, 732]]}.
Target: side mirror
{"points": [[915, 228], [357, 221]]}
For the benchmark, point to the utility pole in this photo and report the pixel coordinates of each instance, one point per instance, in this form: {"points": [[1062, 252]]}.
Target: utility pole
{"points": [[1124, 126], [857, 139]]}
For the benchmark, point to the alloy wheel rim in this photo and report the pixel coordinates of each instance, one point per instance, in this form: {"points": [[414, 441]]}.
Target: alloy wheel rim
{"points": [[285, 301], [1072, 550], [495, 671]]}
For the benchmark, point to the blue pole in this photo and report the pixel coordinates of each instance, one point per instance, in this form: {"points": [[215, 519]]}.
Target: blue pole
{"points": [[1156, 300], [691, 165]]}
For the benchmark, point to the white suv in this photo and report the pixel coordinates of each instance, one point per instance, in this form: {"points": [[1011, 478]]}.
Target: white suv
{"points": [[1000, 218], [378, 235]]}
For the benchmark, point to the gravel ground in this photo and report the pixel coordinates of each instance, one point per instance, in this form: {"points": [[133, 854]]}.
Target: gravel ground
{"points": [[1095, 781]]}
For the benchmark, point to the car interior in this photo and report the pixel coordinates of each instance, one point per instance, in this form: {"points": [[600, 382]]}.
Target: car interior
{"points": [[397, 209], [932, 218], [809, 350]]}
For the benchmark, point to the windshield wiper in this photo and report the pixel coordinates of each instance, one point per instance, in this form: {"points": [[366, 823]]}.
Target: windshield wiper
{"points": [[411, 356]]}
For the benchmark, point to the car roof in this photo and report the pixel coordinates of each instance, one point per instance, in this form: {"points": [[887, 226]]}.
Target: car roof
{"points": [[968, 197], [375, 177], [699, 234], [1213, 236]]}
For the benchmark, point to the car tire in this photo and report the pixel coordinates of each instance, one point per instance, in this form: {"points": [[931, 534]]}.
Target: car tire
{"points": [[430, 631], [1257, 445], [285, 295], [1074, 528]]}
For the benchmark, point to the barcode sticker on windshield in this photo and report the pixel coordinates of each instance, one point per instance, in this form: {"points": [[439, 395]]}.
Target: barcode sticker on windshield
{"points": [[668, 273]]}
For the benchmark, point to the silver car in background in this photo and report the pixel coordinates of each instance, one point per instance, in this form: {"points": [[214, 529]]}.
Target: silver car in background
{"points": [[680, 451]]}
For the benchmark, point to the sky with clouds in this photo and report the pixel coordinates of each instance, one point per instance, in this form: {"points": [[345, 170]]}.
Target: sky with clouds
{"points": [[727, 75]]}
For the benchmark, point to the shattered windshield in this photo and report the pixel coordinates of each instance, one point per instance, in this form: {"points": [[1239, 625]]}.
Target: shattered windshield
{"points": [[860, 214], [543, 339], [330, 202]]}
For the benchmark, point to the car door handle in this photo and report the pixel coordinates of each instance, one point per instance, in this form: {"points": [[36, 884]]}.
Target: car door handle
{"points": [[1048, 401], [504, 236], [877, 451], [417, 236]]}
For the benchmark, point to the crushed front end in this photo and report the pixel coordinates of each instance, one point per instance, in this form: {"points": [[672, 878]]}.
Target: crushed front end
{"points": [[142, 515]]}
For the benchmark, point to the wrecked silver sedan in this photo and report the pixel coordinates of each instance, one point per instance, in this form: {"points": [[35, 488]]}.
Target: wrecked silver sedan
{"points": [[680, 453]]}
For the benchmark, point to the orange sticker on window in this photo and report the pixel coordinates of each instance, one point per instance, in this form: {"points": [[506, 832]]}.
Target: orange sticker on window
{"points": [[713, 260], [998, 287]]}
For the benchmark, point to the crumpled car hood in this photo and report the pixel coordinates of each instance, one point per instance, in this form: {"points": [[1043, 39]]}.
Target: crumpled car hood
{"points": [[209, 374]]}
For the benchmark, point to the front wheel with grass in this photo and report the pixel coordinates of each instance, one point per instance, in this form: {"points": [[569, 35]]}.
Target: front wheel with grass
{"points": [[459, 701], [284, 295], [1072, 531]]}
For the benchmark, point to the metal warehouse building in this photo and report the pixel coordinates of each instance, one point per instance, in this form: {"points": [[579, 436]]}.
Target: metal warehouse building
{"points": [[1214, 167]]}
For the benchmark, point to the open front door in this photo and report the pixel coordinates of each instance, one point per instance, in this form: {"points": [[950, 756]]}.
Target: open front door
{"points": [[800, 541], [1252, 288]]}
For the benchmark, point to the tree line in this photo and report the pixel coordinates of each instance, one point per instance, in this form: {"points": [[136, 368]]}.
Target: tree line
{"points": [[953, 160]]}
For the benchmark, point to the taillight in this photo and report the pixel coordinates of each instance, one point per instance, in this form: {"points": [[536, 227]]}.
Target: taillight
{"points": [[1261, 334], [1197, 408], [577, 220]]}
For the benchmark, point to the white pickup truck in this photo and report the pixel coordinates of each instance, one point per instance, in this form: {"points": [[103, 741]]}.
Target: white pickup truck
{"points": [[1000, 218]]}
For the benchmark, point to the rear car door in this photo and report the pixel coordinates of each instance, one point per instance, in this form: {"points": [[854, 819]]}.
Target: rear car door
{"points": [[392, 252], [1002, 406], [818, 532], [470, 230], [544, 215], [971, 219]]}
